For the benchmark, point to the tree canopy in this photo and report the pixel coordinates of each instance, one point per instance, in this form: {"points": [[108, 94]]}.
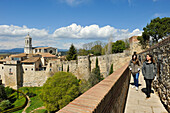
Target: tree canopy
{"points": [[118, 46], [72, 53], [59, 90], [3, 95], [158, 28], [97, 50]]}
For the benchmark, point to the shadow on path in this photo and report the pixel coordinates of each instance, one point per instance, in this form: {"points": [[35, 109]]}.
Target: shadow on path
{"points": [[144, 90]]}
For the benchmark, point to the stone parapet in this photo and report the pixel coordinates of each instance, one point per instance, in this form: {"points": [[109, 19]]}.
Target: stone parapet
{"points": [[108, 96]]}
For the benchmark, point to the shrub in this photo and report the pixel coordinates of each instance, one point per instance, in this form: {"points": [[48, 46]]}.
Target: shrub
{"points": [[111, 70], [30, 94], [59, 90], [8, 91], [3, 95], [5, 104]]}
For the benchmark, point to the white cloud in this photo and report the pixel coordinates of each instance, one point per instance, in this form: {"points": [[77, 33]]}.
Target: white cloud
{"points": [[21, 31], [93, 32], [74, 2], [13, 36]]}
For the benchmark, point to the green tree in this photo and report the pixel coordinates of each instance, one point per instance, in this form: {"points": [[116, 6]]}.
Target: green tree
{"points": [[84, 85], [5, 104], [3, 95], [72, 53], [8, 91], [83, 52], [118, 46], [59, 90], [97, 50], [111, 70], [143, 40], [157, 28], [95, 76]]}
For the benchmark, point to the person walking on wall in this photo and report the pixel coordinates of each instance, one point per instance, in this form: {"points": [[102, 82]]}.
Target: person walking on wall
{"points": [[134, 67], [149, 71]]}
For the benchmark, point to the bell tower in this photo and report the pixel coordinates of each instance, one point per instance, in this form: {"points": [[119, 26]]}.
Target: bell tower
{"points": [[28, 44]]}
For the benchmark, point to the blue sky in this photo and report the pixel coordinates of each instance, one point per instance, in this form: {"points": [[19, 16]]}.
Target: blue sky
{"points": [[58, 23]]}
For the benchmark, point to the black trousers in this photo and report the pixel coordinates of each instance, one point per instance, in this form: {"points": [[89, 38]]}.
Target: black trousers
{"points": [[148, 86]]}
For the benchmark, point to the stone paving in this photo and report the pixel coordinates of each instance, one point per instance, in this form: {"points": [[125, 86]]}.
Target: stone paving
{"points": [[137, 102]]}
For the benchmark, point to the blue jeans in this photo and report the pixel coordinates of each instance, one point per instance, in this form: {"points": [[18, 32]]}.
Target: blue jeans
{"points": [[135, 77]]}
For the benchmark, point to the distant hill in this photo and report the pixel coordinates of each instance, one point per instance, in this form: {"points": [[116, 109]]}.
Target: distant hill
{"points": [[21, 50], [62, 50], [14, 50]]}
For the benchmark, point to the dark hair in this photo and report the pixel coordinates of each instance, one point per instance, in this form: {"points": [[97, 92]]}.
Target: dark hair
{"points": [[152, 60], [134, 52], [136, 61], [133, 56]]}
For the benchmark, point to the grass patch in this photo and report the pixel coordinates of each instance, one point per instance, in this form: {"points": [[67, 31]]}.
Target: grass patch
{"points": [[36, 102], [18, 101]]}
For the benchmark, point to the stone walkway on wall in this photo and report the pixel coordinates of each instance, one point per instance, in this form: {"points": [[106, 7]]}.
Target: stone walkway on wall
{"points": [[137, 102]]}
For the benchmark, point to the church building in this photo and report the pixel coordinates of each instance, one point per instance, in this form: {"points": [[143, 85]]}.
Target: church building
{"points": [[29, 68]]}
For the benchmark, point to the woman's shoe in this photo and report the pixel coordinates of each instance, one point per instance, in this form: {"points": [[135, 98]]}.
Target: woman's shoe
{"points": [[147, 97], [136, 88], [133, 86]]}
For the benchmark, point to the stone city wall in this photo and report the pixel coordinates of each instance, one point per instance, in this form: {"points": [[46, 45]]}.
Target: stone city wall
{"points": [[34, 78], [85, 64], [161, 54]]}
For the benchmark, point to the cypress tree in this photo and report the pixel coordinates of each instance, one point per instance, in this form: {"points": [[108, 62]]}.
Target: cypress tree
{"points": [[111, 70], [72, 53]]}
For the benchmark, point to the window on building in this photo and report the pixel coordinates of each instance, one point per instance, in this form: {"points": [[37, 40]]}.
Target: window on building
{"points": [[10, 71], [35, 50], [50, 69], [25, 69], [32, 69], [0, 76], [40, 50], [45, 50], [2, 67]]}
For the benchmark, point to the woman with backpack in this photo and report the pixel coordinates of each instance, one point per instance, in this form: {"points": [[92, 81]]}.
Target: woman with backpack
{"points": [[149, 71], [134, 67]]}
